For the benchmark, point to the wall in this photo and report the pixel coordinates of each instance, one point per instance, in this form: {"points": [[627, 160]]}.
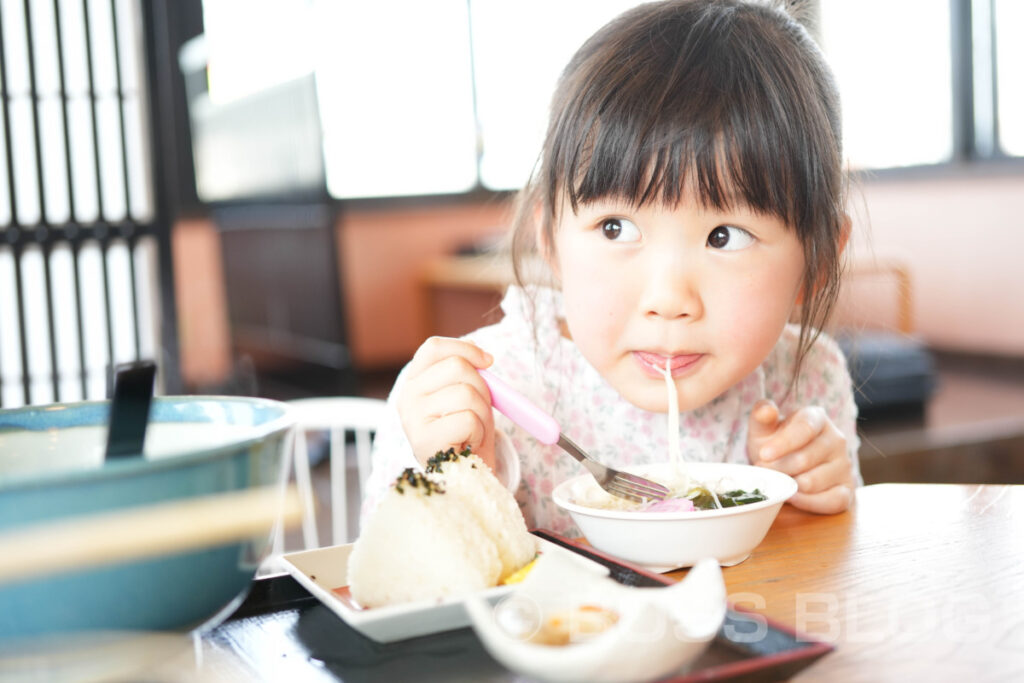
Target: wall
{"points": [[201, 302], [960, 239], [382, 254]]}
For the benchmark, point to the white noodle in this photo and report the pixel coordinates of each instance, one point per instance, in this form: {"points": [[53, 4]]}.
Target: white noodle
{"points": [[718, 503], [675, 453]]}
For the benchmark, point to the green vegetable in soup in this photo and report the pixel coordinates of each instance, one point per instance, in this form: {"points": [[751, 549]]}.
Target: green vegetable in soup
{"points": [[703, 499], [740, 497]]}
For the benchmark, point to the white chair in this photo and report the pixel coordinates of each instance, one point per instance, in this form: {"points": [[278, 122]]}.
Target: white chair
{"points": [[337, 416]]}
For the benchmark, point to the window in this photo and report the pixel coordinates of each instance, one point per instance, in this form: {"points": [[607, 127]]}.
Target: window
{"points": [[416, 98], [447, 96], [92, 91], [897, 97], [78, 233], [1009, 20], [519, 50], [396, 96], [926, 82]]}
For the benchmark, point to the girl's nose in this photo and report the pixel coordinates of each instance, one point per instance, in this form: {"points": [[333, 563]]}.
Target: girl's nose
{"points": [[672, 289]]}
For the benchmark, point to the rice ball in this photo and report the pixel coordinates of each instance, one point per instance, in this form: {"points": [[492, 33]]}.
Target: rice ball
{"points": [[450, 532], [465, 476], [418, 545]]}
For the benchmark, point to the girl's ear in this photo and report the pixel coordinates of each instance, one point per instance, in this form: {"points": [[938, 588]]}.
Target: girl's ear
{"points": [[844, 233], [545, 247], [844, 238]]}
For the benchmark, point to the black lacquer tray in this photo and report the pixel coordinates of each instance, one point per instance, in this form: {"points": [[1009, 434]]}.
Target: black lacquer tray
{"points": [[282, 632]]}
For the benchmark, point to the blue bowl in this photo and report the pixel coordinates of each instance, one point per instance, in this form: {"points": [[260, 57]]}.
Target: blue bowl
{"points": [[52, 467]]}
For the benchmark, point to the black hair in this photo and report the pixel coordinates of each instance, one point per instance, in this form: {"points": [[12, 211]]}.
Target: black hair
{"points": [[730, 99]]}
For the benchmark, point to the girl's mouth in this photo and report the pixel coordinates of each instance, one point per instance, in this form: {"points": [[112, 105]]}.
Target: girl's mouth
{"points": [[654, 363]]}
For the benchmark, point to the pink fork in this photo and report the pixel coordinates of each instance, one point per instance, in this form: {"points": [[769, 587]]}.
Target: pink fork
{"points": [[545, 429]]}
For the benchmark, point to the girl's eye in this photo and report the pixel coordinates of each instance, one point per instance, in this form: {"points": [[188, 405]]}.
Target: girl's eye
{"points": [[729, 238], [619, 230]]}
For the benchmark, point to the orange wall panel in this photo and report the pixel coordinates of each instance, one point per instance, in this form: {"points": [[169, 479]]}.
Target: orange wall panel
{"points": [[203, 334], [382, 255]]}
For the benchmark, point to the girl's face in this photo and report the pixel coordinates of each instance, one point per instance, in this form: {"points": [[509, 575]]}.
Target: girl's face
{"points": [[707, 290]]}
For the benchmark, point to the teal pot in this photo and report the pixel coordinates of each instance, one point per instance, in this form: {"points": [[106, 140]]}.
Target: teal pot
{"points": [[198, 448]]}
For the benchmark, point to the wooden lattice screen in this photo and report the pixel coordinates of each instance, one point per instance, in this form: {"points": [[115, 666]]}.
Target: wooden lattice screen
{"points": [[84, 234]]}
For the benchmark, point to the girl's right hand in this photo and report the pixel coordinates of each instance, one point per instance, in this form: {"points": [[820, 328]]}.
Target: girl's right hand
{"points": [[444, 402]]}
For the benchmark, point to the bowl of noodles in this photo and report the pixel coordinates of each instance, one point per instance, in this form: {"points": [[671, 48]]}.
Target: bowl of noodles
{"points": [[716, 510]]}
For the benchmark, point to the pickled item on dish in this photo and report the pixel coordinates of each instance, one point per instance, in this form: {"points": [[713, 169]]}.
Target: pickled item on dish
{"points": [[575, 625]]}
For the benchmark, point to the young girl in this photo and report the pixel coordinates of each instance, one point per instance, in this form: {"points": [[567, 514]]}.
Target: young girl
{"points": [[689, 201]]}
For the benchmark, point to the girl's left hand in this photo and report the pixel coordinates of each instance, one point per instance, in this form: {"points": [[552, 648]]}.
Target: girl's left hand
{"points": [[809, 448]]}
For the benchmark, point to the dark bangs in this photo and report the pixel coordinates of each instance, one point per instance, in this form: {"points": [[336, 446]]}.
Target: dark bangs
{"points": [[729, 100], [705, 100]]}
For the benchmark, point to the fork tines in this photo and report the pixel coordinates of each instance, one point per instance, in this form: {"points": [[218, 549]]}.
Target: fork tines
{"points": [[613, 481], [637, 488]]}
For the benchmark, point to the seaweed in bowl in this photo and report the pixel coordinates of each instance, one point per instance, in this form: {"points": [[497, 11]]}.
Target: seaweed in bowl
{"points": [[704, 498]]}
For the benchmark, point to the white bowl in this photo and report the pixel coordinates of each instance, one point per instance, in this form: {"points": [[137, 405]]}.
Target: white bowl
{"points": [[659, 630], [663, 541]]}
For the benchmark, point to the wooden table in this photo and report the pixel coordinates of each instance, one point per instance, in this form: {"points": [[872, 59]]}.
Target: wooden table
{"points": [[915, 581]]}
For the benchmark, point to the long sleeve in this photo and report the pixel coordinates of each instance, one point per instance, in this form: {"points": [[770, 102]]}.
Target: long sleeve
{"points": [[825, 381], [391, 454]]}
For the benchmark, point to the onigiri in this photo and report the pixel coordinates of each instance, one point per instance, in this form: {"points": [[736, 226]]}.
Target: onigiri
{"points": [[452, 531], [467, 478]]}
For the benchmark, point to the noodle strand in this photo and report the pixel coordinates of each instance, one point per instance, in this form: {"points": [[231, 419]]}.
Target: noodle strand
{"points": [[675, 453]]}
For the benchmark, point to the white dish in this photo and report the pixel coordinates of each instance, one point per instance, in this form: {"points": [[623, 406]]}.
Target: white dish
{"points": [[663, 541], [324, 573], [657, 631]]}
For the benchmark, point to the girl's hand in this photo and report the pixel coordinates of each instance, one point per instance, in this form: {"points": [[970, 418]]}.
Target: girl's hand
{"points": [[809, 448], [445, 403]]}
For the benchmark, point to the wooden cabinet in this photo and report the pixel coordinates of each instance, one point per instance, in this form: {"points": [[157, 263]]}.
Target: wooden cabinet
{"points": [[463, 293]]}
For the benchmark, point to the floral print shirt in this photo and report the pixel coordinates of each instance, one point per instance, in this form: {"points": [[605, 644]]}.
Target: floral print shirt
{"points": [[531, 355]]}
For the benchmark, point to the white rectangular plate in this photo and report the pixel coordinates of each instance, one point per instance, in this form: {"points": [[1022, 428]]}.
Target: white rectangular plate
{"points": [[324, 573]]}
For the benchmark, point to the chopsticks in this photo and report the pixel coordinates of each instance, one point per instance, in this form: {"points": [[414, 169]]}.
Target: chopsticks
{"points": [[146, 531]]}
